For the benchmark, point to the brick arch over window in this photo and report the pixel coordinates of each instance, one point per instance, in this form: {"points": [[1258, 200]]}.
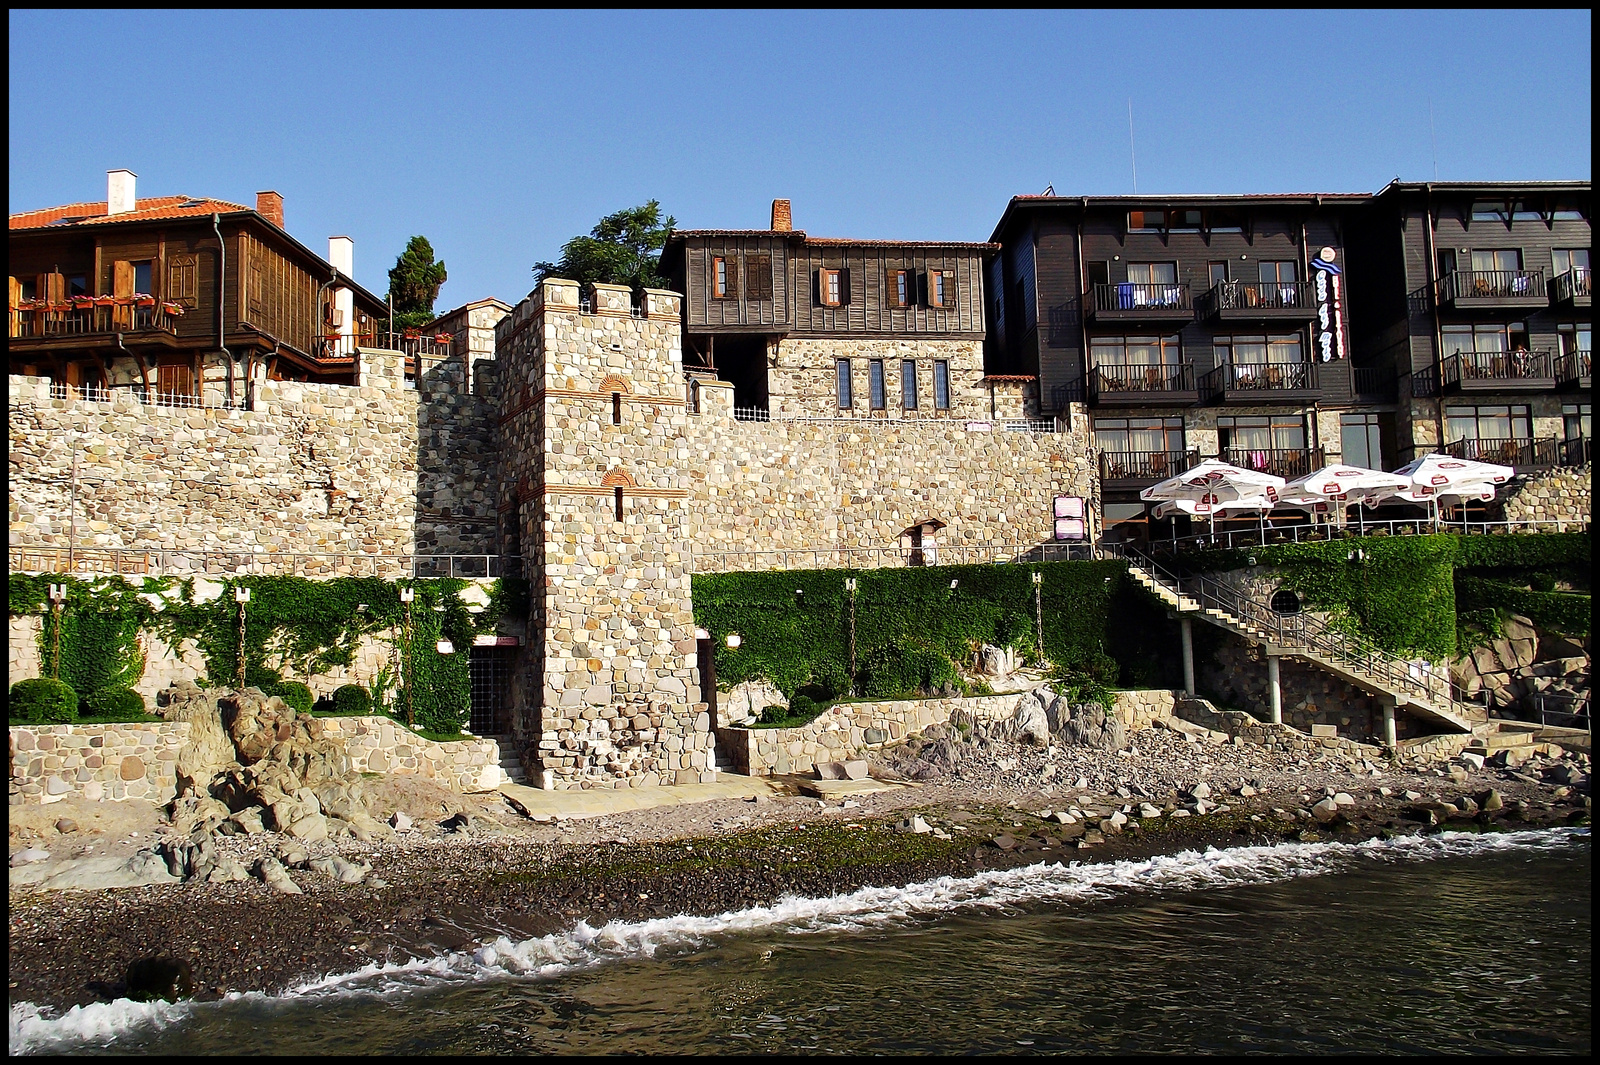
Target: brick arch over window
{"points": [[618, 478], [616, 383]]}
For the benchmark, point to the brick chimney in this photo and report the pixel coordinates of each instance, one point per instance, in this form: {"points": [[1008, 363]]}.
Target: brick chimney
{"points": [[269, 205], [119, 191], [780, 216]]}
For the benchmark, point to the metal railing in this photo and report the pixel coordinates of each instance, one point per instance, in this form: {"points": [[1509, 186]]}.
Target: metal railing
{"points": [[86, 321], [1305, 530], [1425, 382], [1522, 454], [1576, 452], [162, 561], [885, 557], [1288, 463], [1373, 381], [1145, 465], [1300, 631], [1492, 284], [1562, 711], [1177, 377], [935, 416], [151, 397], [1497, 366], [344, 345], [1572, 284], [1136, 296], [1574, 366], [1026, 425], [1258, 377], [1258, 295]]}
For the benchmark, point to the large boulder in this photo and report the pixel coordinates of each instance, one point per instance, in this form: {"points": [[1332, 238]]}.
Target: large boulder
{"points": [[1090, 725], [209, 748]]}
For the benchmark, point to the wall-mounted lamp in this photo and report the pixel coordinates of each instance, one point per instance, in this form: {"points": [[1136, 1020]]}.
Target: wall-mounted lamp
{"points": [[58, 592], [1358, 555], [1244, 256], [407, 594], [955, 582], [849, 584], [701, 634], [445, 647], [241, 595], [1038, 578], [1252, 560], [733, 641]]}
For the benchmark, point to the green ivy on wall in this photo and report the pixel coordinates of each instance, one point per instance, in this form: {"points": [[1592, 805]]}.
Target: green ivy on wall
{"points": [[912, 627]]}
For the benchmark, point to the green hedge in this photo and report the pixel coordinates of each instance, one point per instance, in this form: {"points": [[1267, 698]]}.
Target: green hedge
{"points": [[114, 702], [1566, 613], [912, 627], [42, 701]]}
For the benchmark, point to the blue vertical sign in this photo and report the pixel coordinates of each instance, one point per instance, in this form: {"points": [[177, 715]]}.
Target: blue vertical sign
{"points": [[1330, 342]]}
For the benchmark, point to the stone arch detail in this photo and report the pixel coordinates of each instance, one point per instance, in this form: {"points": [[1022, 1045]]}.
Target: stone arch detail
{"points": [[618, 478], [616, 383]]}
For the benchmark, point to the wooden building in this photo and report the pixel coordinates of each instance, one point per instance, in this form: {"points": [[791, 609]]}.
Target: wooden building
{"points": [[184, 300], [806, 326], [1476, 296]]}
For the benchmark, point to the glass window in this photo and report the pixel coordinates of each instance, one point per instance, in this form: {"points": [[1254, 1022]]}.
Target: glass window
{"points": [[941, 384], [1489, 211], [1570, 259], [1523, 211], [1359, 440], [1567, 211], [908, 384], [719, 282], [1575, 420], [1126, 435], [78, 285], [142, 278], [841, 376], [1218, 272], [1574, 337], [1153, 273], [900, 288], [1262, 432], [1279, 270], [1488, 423], [1225, 220], [875, 381], [831, 288], [1146, 221], [1136, 351], [1494, 338], [1506, 259], [1185, 221]]}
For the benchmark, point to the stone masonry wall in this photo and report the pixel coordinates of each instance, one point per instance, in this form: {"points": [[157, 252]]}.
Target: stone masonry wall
{"points": [[803, 380], [595, 403], [762, 486], [137, 760], [1558, 495]]}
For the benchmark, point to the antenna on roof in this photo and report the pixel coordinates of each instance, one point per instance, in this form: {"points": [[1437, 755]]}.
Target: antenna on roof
{"points": [[1434, 140], [1049, 190], [1132, 158]]}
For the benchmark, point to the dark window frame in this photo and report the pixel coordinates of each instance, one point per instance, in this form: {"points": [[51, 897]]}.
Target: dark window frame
{"points": [[908, 384], [941, 384], [758, 277], [877, 386], [843, 387]]}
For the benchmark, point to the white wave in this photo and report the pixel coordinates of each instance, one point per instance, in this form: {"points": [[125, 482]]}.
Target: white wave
{"points": [[585, 946]]}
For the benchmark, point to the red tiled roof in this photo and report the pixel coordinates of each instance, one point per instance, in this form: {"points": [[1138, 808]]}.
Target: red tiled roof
{"points": [[841, 241], [1008, 377], [147, 209]]}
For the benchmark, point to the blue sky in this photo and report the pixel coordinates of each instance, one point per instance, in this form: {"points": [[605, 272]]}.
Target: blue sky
{"points": [[499, 135]]}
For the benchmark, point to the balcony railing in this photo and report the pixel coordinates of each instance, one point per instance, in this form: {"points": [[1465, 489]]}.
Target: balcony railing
{"points": [[1166, 378], [1145, 465], [69, 319], [1519, 453], [153, 397], [1287, 463], [1575, 452], [343, 346], [1373, 382], [212, 561], [1573, 285], [1131, 299], [1244, 298], [1259, 377], [1520, 285], [1489, 369], [1573, 369]]}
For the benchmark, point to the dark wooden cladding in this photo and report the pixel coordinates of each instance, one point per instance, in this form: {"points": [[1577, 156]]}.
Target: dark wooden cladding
{"points": [[706, 312], [871, 308], [278, 295]]}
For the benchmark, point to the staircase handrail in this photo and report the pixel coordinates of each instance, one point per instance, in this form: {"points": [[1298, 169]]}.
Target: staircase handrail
{"points": [[1296, 630]]}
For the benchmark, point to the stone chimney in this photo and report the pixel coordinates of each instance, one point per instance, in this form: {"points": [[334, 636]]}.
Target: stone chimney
{"points": [[119, 191], [780, 216], [269, 205]]}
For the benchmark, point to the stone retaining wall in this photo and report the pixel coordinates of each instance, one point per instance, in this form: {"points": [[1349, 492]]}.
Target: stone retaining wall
{"points": [[1284, 738], [118, 761], [136, 760], [848, 729], [1559, 495]]}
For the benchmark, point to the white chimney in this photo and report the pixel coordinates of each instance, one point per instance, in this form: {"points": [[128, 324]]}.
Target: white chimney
{"points": [[119, 191], [342, 255]]}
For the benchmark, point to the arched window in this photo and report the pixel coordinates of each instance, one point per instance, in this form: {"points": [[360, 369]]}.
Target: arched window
{"points": [[1285, 602]]}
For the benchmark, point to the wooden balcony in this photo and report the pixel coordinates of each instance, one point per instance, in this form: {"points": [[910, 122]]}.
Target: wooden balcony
{"points": [[1493, 290], [1287, 463], [39, 326], [1259, 301], [1130, 302], [1263, 383], [1576, 452], [1517, 453], [1572, 371], [1143, 386], [1498, 371], [1572, 288], [1140, 469], [1373, 384]]}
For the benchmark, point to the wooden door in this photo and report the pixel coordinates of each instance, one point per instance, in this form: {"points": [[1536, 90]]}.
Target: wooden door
{"points": [[706, 660]]}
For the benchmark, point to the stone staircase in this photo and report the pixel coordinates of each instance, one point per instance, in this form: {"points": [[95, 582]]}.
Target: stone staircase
{"points": [[510, 764], [1304, 638]]}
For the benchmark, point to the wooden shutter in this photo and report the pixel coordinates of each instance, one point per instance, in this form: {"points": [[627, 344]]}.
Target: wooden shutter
{"points": [[733, 277], [55, 286], [816, 288], [844, 286], [921, 296], [122, 278], [16, 298], [949, 294]]}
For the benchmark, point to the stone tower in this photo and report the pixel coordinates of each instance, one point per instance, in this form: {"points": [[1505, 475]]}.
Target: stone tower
{"points": [[596, 464]]}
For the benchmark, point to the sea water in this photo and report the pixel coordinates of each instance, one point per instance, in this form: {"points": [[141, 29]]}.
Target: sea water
{"points": [[1457, 942]]}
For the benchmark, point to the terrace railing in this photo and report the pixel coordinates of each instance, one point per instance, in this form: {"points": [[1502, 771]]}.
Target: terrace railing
{"points": [[1145, 465], [1259, 295], [1572, 285], [166, 561], [1505, 366], [1137, 296], [1287, 463], [69, 319], [1492, 284], [1169, 377], [1523, 454], [1258, 377]]}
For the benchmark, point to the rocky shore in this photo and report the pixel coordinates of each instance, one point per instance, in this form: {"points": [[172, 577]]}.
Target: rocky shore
{"points": [[468, 868]]}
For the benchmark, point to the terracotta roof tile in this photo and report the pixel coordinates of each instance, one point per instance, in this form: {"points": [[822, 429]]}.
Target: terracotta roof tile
{"points": [[148, 208], [1008, 377]]}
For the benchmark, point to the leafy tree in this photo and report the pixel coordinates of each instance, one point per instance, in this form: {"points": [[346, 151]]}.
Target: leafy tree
{"points": [[414, 284], [624, 249]]}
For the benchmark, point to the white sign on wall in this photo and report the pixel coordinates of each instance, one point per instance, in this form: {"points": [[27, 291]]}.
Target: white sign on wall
{"points": [[1329, 282]]}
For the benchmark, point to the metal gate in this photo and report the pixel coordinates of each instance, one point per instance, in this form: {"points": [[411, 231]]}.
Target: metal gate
{"points": [[491, 683]]}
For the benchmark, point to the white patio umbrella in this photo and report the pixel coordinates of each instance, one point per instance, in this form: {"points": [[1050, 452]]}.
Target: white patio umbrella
{"points": [[1434, 475], [1340, 483], [1218, 484]]}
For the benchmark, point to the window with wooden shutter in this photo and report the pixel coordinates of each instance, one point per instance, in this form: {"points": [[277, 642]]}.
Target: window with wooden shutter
{"points": [[901, 288], [844, 285], [257, 287], [121, 278], [829, 287], [719, 278], [941, 288], [758, 277], [174, 380], [55, 287], [182, 281]]}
